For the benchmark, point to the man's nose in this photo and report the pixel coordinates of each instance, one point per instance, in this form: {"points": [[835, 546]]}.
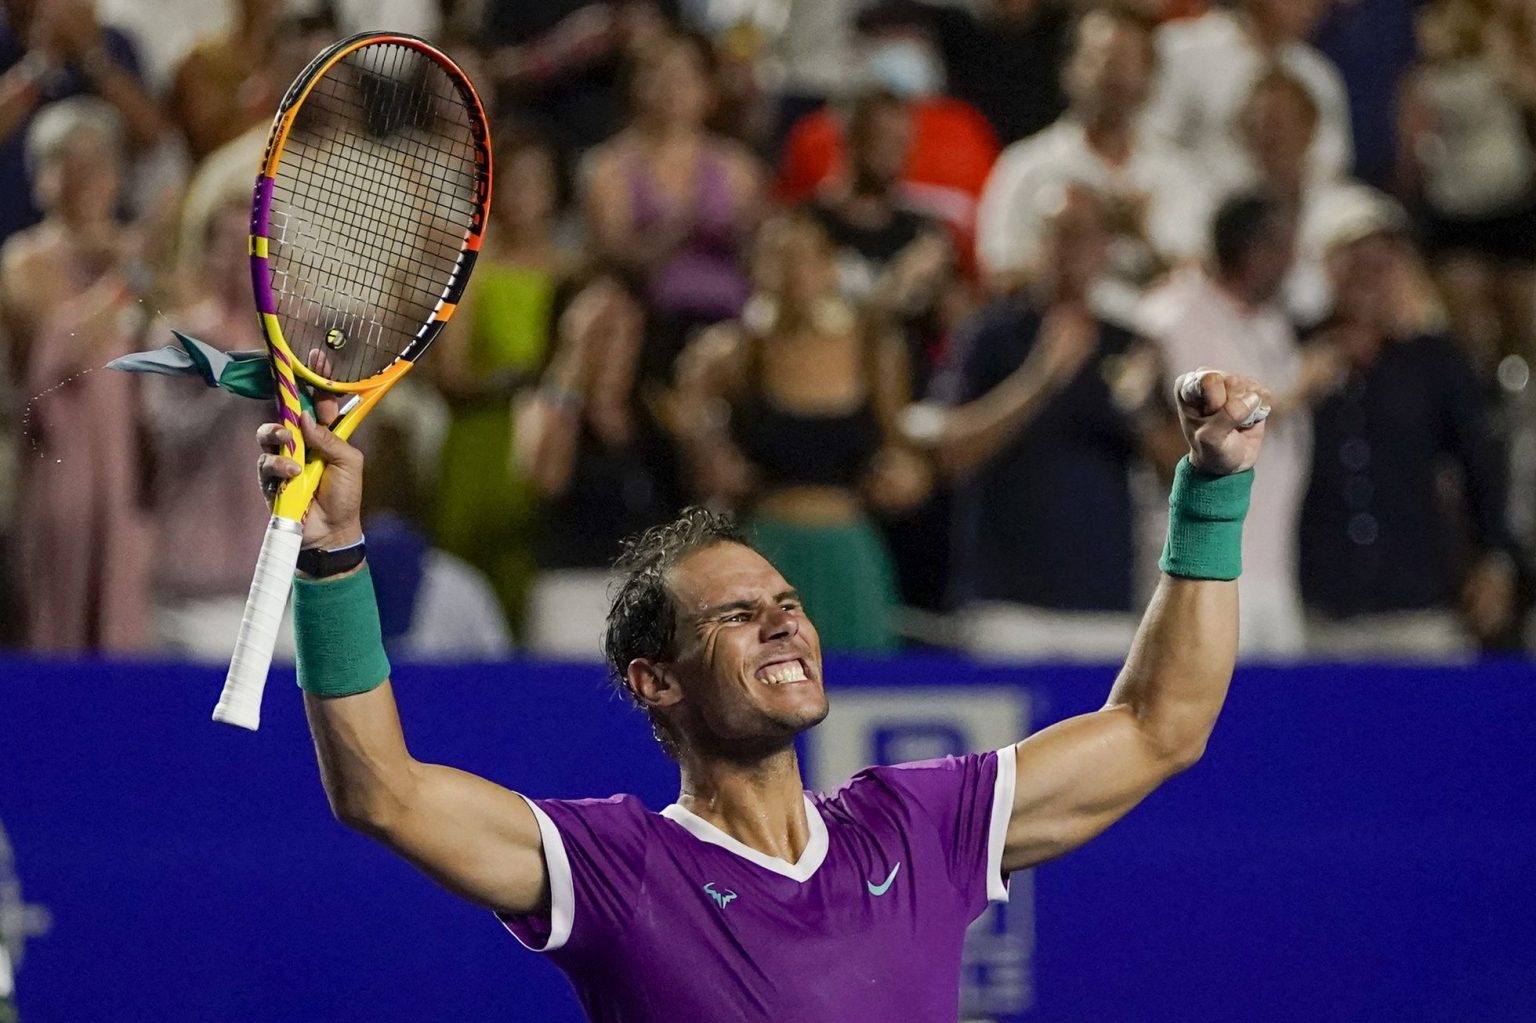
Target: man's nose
{"points": [[780, 624]]}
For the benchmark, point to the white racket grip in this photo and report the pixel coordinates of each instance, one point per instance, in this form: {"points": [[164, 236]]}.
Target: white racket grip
{"points": [[240, 703]]}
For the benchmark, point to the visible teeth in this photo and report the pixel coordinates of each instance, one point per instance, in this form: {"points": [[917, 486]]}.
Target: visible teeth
{"points": [[792, 672]]}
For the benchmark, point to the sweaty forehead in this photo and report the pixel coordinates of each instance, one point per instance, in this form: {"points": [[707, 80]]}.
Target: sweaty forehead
{"points": [[720, 574]]}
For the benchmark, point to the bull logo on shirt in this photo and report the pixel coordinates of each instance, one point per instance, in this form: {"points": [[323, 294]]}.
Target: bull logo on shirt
{"points": [[722, 899]]}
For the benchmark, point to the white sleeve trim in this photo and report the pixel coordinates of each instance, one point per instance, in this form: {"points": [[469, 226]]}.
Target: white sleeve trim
{"points": [[562, 889], [1002, 813]]}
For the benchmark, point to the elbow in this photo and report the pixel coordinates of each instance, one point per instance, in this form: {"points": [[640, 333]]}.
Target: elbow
{"points": [[358, 813], [1182, 757], [375, 811]]}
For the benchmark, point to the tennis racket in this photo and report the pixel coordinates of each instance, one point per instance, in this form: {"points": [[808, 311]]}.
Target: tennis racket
{"points": [[367, 218]]}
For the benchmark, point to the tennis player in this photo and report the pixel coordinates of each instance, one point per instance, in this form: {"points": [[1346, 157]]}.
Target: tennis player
{"points": [[750, 898]]}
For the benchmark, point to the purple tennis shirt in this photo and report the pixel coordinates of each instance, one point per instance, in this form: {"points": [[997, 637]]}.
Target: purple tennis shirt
{"points": [[664, 917]]}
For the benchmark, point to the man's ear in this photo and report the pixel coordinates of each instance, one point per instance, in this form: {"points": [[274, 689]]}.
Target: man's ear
{"points": [[652, 684]]}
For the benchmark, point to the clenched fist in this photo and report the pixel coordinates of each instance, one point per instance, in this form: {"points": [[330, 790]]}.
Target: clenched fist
{"points": [[1222, 415]]}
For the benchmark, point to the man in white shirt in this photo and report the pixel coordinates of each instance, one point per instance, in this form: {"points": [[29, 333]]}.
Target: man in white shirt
{"points": [[1228, 315], [1157, 207], [1208, 66], [1279, 124]]}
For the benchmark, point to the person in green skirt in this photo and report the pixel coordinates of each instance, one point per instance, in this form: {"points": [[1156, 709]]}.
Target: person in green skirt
{"points": [[495, 346], [790, 414]]}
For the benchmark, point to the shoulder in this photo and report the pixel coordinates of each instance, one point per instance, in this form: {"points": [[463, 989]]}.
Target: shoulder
{"points": [[614, 817], [926, 785], [1031, 157], [1310, 65], [1182, 38]]}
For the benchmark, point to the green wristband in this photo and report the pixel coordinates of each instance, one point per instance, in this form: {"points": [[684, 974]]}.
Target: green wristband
{"points": [[336, 632], [1205, 523]]}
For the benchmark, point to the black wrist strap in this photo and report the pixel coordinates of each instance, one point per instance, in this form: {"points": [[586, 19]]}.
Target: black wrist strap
{"points": [[321, 564]]}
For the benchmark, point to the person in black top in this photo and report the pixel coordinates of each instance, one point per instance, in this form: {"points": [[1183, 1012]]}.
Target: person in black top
{"points": [[885, 249], [901, 262], [791, 414], [1004, 60], [598, 456], [1385, 564], [1039, 417]]}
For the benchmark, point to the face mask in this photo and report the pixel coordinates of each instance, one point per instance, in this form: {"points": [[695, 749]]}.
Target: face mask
{"points": [[905, 66]]}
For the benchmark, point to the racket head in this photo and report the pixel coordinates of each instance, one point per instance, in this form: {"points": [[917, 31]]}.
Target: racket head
{"points": [[368, 212]]}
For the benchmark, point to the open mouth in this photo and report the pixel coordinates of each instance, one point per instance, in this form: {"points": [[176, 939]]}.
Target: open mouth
{"points": [[781, 673]]}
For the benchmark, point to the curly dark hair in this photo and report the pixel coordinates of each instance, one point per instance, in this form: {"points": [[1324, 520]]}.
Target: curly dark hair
{"points": [[642, 621]]}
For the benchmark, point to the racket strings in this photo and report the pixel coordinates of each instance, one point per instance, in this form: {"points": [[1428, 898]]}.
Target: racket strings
{"points": [[374, 197]]}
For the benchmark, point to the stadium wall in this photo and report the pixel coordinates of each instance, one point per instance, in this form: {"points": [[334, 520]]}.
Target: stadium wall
{"points": [[1359, 843]]}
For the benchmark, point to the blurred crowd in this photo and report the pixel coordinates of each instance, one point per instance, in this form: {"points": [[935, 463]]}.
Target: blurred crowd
{"points": [[904, 283]]}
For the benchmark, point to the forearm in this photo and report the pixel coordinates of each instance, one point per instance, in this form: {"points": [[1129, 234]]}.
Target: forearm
{"points": [[973, 433], [1175, 680], [117, 86]]}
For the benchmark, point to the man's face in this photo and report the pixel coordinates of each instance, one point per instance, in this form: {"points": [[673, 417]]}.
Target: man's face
{"points": [[748, 661], [1362, 273], [1111, 68], [1279, 127], [880, 146], [1269, 261]]}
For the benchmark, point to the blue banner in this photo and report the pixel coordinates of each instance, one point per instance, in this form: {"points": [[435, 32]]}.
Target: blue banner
{"points": [[1358, 844]]}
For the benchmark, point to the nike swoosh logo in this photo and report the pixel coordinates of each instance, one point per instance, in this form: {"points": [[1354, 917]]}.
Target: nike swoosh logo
{"points": [[884, 886]]}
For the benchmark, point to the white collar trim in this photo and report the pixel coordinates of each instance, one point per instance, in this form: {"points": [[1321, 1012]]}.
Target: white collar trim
{"points": [[801, 871]]}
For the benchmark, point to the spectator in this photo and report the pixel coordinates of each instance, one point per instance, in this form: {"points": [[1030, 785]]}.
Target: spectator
{"points": [[596, 453], [432, 605], [494, 347], [669, 201], [886, 251], [1372, 43], [51, 50], [951, 152], [207, 517], [1003, 57], [1042, 420], [1208, 66], [1157, 200], [1279, 123], [561, 66], [901, 260], [1383, 567], [226, 84], [1229, 316], [808, 454], [1467, 161], [816, 50], [69, 292]]}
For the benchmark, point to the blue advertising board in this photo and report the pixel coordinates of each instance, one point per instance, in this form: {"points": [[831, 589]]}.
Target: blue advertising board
{"points": [[1359, 843]]}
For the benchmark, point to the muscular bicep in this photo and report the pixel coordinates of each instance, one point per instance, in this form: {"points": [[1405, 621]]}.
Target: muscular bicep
{"points": [[472, 836], [1075, 779], [475, 838]]}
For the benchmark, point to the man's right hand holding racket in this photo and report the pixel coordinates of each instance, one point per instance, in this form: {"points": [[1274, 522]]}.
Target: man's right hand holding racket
{"points": [[476, 838], [334, 520]]}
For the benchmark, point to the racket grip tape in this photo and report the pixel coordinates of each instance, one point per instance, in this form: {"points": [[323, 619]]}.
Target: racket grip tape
{"points": [[240, 703]]}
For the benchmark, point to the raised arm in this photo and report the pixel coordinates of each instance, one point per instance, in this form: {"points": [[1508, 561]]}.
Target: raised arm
{"points": [[964, 437], [473, 837], [1079, 776]]}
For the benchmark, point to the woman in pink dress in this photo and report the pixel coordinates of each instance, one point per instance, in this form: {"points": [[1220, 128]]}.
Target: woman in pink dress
{"points": [[70, 297]]}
